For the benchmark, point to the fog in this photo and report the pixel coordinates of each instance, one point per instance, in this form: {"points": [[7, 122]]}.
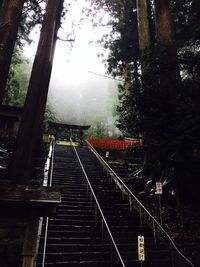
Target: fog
{"points": [[83, 101], [77, 96]]}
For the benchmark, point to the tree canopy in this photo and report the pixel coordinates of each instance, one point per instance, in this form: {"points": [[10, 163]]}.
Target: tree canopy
{"points": [[160, 94]]}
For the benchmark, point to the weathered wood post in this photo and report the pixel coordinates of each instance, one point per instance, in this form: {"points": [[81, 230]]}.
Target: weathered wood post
{"points": [[30, 243]]}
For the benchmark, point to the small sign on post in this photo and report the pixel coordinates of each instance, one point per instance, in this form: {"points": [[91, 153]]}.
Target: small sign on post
{"points": [[159, 191], [141, 251]]}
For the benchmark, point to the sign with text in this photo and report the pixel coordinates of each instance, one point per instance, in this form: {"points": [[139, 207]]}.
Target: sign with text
{"points": [[159, 190], [141, 252]]}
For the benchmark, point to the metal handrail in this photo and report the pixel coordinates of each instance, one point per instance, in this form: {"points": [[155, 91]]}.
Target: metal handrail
{"points": [[124, 186], [48, 179], [98, 205]]}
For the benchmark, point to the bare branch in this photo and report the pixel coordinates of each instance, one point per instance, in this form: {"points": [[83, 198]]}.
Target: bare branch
{"points": [[65, 40]]}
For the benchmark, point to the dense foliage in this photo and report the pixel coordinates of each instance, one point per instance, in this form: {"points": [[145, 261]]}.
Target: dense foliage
{"points": [[19, 73], [18, 79], [152, 102], [155, 105], [31, 16]]}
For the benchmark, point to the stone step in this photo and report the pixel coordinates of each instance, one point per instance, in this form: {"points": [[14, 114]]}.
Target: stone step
{"points": [[75, 236], [163, 263]]}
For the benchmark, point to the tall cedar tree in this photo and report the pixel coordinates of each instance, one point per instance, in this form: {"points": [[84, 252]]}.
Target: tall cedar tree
{"points": [[123, 59], [20, 167], [10, 16], [146, 104], [166, 108], [17, 84], [168, 62]]}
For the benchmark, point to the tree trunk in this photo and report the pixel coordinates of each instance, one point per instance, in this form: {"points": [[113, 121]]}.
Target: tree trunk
{"points": [[164, 30], [145, 43], [143, 25], [148, 78], [167, 54], [20, 168], [168, 75], [10, 15]]}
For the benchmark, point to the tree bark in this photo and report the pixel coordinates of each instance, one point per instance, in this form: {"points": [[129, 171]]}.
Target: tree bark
{"points": [[148, 79], [10, 15], [145, 42], [167, 54], [164, 28], [143, 25], [20, 168]]}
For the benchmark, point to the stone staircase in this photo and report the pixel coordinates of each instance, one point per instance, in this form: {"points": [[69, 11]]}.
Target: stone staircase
{"points": [[76, 237]]}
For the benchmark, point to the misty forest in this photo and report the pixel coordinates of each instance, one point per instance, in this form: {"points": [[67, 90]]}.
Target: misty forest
{"points": [[111, 82]]}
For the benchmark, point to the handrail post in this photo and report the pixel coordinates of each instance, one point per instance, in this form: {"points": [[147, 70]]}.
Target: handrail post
{"points": [[172, 256], [91, 201], [116, 187], [140, 212], [102, 230], [45, 242], [107, 172], [95, 214], [130, 203], [154, 232], [111, 179], [111, 257], [122, 193], [46, 183]]}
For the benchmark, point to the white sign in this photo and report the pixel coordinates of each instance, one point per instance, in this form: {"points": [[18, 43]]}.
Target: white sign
{"points": [[159, 188], [107, 154], [141, 252]]}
